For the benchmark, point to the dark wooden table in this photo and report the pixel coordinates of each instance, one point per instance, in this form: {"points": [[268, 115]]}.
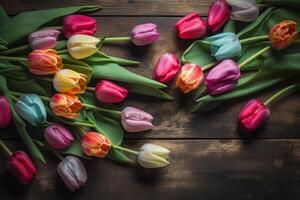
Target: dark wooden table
{"points": [[210, 159]]}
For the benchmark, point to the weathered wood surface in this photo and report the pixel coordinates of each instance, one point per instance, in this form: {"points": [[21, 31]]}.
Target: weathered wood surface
{"points": [[210, 160]]}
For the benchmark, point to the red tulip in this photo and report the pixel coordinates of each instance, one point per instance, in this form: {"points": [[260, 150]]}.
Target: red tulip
{"points": [[253, 115], [5, 114], [191, 27], [21, 166], [79, 24], [218, 15]]}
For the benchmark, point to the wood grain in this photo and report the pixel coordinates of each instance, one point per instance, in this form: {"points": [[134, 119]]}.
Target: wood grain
{"points": [[116, 7]]}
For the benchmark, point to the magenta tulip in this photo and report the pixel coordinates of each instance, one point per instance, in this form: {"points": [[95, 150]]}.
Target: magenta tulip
{"points": [[144, 34], [5, 113], [218, 14], [79, 24], [43, 39], [166, 68], [109, 92], [135, 120], [58, 136]]}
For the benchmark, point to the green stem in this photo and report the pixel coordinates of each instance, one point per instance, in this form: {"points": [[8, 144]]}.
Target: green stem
{"points": [[57, 154], [5, 149], [102, 109], [262, 51], [55, 27], [280, 93], [109, 40], [92, 89], [45, 79], [15, 50], [21, 94], [12, 58], [62, 51], [254, 39], [77, 123], [125, 149], [208, 66]]}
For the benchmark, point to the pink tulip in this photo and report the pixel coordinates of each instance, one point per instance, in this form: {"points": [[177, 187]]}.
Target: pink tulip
{"points": [[135, 120], [79, 24], [109, 92], [43, 39], [5, 113], [218, 14], [144, 34], [191, 27], [58, 136], [166, 68]]}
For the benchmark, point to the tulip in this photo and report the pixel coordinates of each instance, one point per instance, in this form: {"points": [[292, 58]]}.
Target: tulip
{"points": [[253, 115], [109, 92], [218, 14], [79, 24], [224, 45], [144, 34], [43, 39], [21, 167], [153, 156], [166, 68], [82, 46], [5, 113], [65, 105], [283, 34], [243, 10], [44, 62], [190, 77], [191, 27], [58, 136], [32, 109], [135, 120], [71, 170], [223, 77], [95, 144], [69, 81]]}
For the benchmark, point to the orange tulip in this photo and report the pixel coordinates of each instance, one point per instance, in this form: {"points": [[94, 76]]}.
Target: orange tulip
{"points": [[190, 77], [283, 34], [44, 62], [65, 105], [95, 144]]}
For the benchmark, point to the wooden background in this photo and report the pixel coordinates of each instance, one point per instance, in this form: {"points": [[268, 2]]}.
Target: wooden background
{"points": [[210, 159]]}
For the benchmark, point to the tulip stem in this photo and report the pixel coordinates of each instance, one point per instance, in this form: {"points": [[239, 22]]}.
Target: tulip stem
{"points": [[101, 109], [284, 91], [12, 58], [5, 148], [254, 39], [57, 154], [14, 50], [55, 27], [125, 149], [49, 148], [92, 89], [21, 94], [262, 51], [62, 51], [208, 66], [77, 123], [109, 40]]}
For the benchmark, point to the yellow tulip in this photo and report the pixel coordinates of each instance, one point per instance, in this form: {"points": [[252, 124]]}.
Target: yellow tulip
{"points": [[69, 81], [82, 46]]}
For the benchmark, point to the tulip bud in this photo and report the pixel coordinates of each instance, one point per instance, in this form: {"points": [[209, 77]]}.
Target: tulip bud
{"points": [[109, 92], [135, 120], [153, 156], [21, 167], [44, 62], [218, 14], [65, 105], [69, 81], [5, 113], [190, 77], [58, 136], [166, 68], [82, 46], [79, 24], [283, 34], [223, 77], [253, 115], [224, 45], [95, 144], [71, 170], [144, 34], [191, 27], [243, 10], [43, 39], [32, 109]]}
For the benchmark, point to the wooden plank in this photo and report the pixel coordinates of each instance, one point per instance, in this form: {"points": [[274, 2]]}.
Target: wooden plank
{"points": [[116, 7], [206, 169]]}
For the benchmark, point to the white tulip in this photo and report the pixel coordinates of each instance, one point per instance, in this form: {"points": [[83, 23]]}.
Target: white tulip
{"points": [[153, 156], [82, 46]]}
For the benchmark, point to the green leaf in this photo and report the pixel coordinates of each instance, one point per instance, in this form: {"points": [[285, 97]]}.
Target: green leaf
{"points": [[119, 156], [25, 23], [113, 71], [27, 86], [75, 149], [107, 127], [230, 26], [20, 124], [3, 16]]}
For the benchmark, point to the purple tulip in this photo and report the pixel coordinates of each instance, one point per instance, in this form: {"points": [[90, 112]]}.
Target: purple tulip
{"points": [[144, 34], [223, 77], [5, 114], [43, 39], [72, 172], [58, 136], [135, 120]]}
